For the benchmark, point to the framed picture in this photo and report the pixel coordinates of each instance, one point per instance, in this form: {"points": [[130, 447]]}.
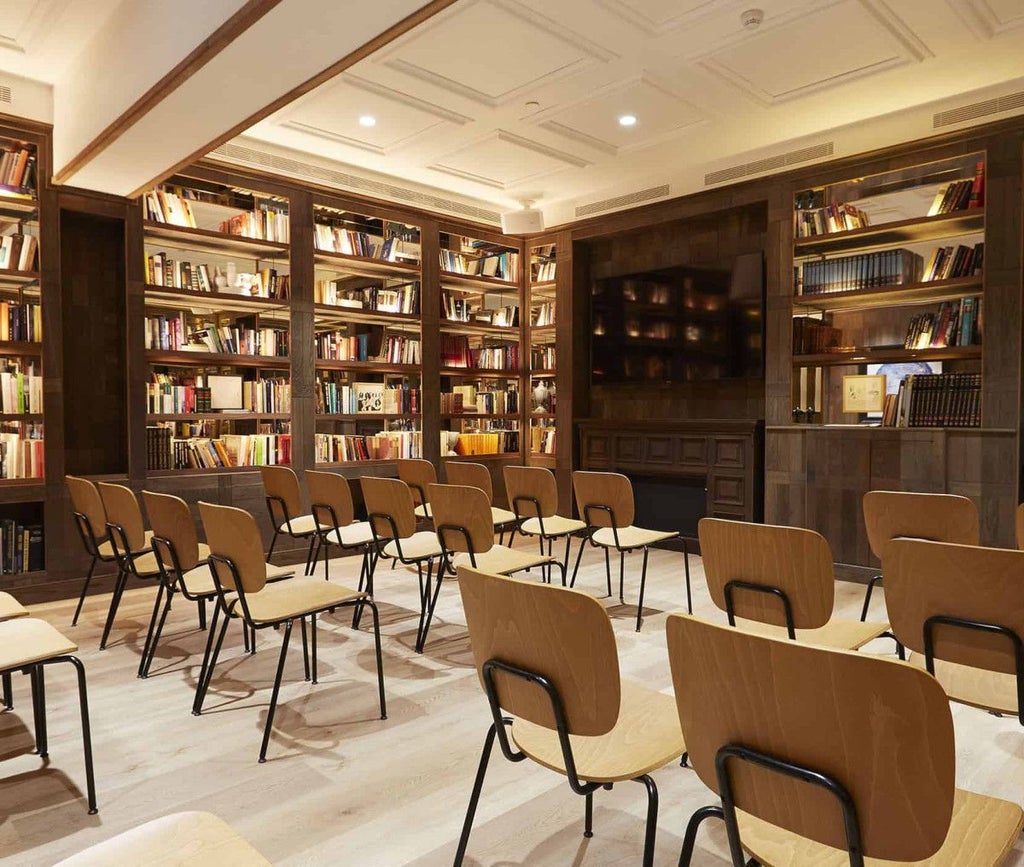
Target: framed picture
{"points": [[225, 391], [369, 396], [864, 393]]}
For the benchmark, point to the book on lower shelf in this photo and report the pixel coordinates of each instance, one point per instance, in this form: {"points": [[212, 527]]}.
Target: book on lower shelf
{"points": [[21, 547], [19, 252], [384, 446], [935, 400], [21, 454], [492, 442], [955, 323], [21, 388], [231, 450], [542, 440]]}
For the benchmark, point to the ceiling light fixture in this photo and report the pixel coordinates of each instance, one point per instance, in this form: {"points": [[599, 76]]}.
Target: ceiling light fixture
{"points": [[627, 120], [367, 120]]}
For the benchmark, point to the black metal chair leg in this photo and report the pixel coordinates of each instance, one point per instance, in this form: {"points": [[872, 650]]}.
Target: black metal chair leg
{"points": [[380, 659], [153, 618], [643, 584], [652, 819], [686, 854], [115, 600], [588, 816], [8, 691], [622, 576], [274, 694], [252, 641], [545, 570], [305, 648], [565, 559], [364, 576], [309, 554], [273, 542], [83, 703], [433, 602], [85, 590], [686, 566], [210, 638], [474, 798], [38, 679], [201, 691], [867, 596], [147, 658], [201, 607], [312, 641], [579, 556]]}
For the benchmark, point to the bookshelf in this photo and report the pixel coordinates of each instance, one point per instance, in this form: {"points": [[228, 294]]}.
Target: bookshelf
{"points": [[543, 395]]}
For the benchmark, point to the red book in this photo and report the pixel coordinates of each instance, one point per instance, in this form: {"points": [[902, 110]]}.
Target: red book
{"points": [[978, 187]]}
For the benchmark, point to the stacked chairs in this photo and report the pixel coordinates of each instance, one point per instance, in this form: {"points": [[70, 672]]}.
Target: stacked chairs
{"points": [[478, 476], [533, 495], [284, 505]]}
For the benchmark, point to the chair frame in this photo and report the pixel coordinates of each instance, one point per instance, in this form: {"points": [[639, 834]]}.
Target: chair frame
{"points": [[126, 558], [92, 547], [542, 535], [273, 500]]}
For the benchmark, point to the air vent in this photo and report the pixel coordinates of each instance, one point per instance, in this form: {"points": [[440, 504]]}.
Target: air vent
{"points": [[622, 201], [1010, 102], [391, 192], [5, 93], [769, 164]]}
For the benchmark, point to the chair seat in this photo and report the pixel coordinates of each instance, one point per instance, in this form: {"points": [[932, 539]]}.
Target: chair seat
{"points": [[418, 546], [555, 525], [645, 737], [423, 511], [26, 640], [106, 548], [631, 537], [502, 516], [988, 690], [350, 536], [11, 607], [199, 581], [303, 525], [295, 598], [146, 565], [199, 839], [982, 833], [838, 634], [501, 560]]}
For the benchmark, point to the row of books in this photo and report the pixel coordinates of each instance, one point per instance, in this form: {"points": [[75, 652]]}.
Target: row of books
{"points": [[542, 359], [159, 451], [350, 243], [19, 252], [383, 299], [955, 323], [487, 401], [935, 400], [814, 336], [18, 168], [489, 443], [393, 348], [543, 314], [961, 195], [387, 445], [862, 271], [231, 450], [961, 261], [831, 218], [21, 547], [170, 394], [162, 270], [542, 272], [173, 333], [503, 266], [163, 206], [369, 398], [21, 457], [267, 221], [542, 440], [21, 391], [22, 322]]}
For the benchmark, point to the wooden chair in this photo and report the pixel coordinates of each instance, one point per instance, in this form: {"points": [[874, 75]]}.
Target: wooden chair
{"points": [[418, 474], [131, 543], [391, 513], [473, 475], [533, 495], [826, 757], [240, 573], [9, 609], [891, 515], [1020, 526], [958, 607], [548, 663], [605, 500], [207, 839], [284, 504], [29, 645], [335, 515], [779, 580]]}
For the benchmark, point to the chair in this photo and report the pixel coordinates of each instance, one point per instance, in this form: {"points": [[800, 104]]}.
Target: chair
{"points": [[605, 500], [478, 476], [391, 513], [958, 607], [335, 515], [533, 495], [284, 504], [892, 514], [236, 558], [780, 580], [418, 474], [131, 543], [9, 609], [548, 663], [29, 645], [826, 757]]}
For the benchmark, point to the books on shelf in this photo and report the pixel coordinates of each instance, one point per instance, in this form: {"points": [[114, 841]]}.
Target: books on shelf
{"points": [[482, 400], [21, 390], [542, 440], [385, 298], [374, 398], [500, 265], [21, 322], [159, 452], [955, 323], [231, 450], [946, 263], [164, 206], [813, 336], [494, 442], [542, 358], [267, 221], [862, 271], [542, 314], [376, 343], [162, 270], [18, 167], [174, 332], [935, 400], [19, 252], [456, 352], [21, 547], [332, 239], [386, 445], [831, 218], [542, 264], [960, 195], [185, 393], [21, 456]]}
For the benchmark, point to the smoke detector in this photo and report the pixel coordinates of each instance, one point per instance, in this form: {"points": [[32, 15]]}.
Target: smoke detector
{"points": [[751, 18]]}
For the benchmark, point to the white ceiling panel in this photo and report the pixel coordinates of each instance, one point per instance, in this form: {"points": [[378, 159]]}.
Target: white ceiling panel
{"points": [[659, 16], [504, 160], [989, 18]]}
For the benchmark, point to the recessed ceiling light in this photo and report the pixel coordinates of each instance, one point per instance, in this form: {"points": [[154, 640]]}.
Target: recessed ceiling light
{"points": [[627, 120], [367, 120]]}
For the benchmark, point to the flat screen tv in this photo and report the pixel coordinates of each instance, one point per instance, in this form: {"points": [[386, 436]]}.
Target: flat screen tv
{"points": [[679, 324]]}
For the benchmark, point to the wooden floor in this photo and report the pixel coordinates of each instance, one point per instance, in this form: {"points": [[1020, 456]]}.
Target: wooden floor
{"points": [[340, 785]]}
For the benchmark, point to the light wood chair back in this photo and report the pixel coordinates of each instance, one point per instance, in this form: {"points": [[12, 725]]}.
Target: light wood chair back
{"points": [[418, 474], [797, 561], [564, 635], [281, 482], [389, 497], [612, 490], [531, 482], [86, 500], [233, 535], [462, 506], [924, 579], [171, 519], [882, 728], [123, 509], [330, 489], [1020, 526], [470, 475], [939, 517]]}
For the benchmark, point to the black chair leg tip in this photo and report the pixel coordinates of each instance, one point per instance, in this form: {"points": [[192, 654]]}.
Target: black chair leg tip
{"points": [[262, 760], [588, 834], [383, 716], [94, 811]]}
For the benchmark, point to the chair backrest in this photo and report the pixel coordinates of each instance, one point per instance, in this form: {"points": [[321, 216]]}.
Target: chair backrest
{"points": [[418, 474], [608, 490], [86, 500], [470, 475], [232, 534], [881, 728], [796, 561], [331, 490], [939, 517], [531, 483], [281, 483], [1020, 526], [564, 635], [171, 519], [462, 506], [985, 585], [388, 497], [123, 510]]}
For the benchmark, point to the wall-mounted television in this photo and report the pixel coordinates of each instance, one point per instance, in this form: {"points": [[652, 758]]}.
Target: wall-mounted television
{"points": [[679, 324]]}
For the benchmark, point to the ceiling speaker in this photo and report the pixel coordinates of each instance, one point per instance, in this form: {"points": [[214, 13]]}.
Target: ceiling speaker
{"points": [[522, 222]]}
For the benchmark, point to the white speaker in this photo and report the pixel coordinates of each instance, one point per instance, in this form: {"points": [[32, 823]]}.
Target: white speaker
{"points": [[522, 222]]}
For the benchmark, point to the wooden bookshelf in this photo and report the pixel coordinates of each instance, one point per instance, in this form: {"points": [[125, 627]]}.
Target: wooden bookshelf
{"points": [[184, 358], [912, 293], [915, 229], [880, 356], [214, 301], [209, 240]]}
